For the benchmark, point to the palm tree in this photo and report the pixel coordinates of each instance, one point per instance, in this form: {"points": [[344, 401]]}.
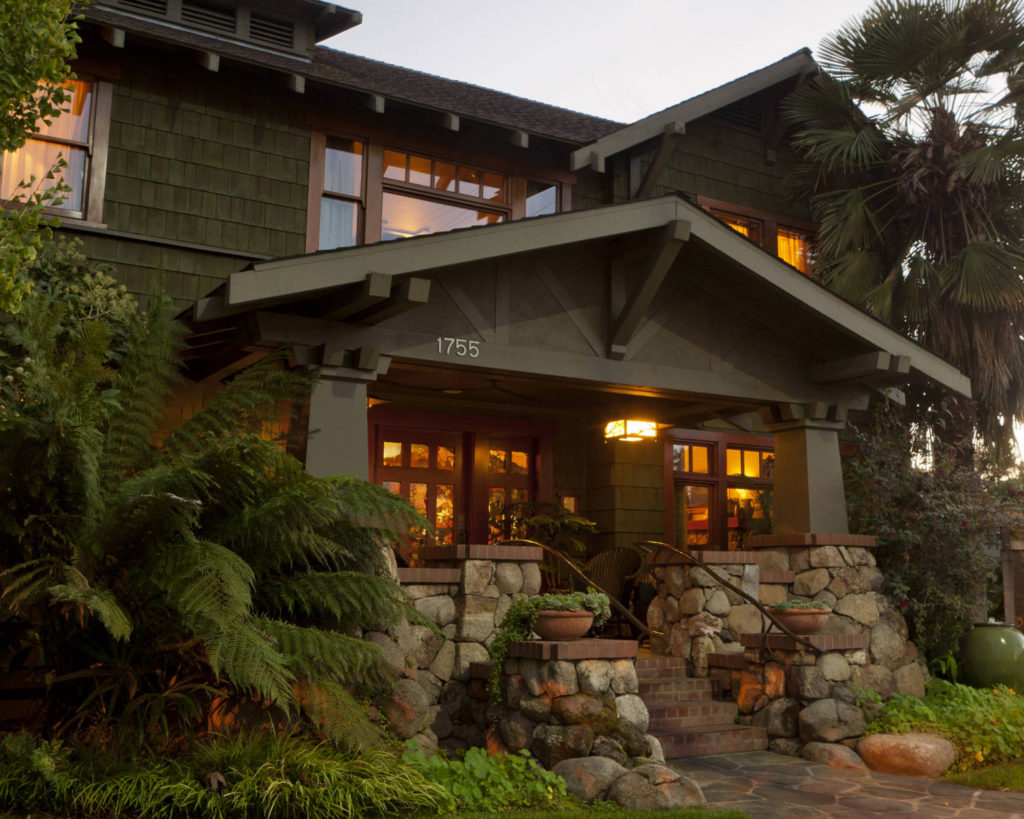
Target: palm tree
{"points": [[914, 150]]}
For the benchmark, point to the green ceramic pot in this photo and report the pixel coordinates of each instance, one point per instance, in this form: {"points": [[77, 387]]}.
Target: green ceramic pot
{"points": [[993, 654]]}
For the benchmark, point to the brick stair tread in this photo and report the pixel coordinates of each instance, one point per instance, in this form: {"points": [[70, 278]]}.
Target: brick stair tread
{"points": [[656, 711], [678, 689], [703, 740]]}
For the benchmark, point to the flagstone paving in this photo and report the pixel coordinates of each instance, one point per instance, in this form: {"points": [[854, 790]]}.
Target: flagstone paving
{"points": [[765, 786]]}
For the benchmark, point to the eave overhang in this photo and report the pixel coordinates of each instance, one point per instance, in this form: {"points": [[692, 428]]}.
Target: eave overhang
{"points": [[675, 118], [884, 356]]}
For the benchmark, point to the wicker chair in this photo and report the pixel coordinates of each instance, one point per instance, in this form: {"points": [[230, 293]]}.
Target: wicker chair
{"points": [[614, 570]]}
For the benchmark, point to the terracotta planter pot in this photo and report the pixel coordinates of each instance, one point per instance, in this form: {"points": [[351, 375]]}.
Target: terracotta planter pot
{"points": [[803, 621], [563, 625]]}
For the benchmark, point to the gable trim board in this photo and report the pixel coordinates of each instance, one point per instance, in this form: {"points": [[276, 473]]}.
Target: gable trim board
{"points": [[288, 281]]}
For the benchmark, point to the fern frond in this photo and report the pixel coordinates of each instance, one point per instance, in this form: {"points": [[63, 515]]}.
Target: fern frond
{"points": [[319, 655], [100, 603], [334, 711], [341, 597]]}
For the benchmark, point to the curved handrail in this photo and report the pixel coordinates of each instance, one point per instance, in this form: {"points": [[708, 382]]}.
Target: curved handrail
{"points": [[764, 611], [644, 629]]}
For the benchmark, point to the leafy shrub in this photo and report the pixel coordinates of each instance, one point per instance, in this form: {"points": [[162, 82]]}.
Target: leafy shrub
{"points": [[800, 605], [482, 781], [522, 615], [286, 777], [985, 724], [937, 528]]}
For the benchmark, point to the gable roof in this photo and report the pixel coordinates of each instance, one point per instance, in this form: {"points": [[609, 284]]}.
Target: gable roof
{"points": [[298, 279], [675, 117]]}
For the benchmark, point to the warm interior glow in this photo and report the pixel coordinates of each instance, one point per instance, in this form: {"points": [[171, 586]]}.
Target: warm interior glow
{"points": [[630, 430]]}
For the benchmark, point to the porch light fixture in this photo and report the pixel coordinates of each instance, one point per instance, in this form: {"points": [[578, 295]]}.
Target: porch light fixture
{"points": [[630, 430]]}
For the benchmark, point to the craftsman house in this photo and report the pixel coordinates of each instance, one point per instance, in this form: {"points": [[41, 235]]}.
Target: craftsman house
{"points": [[509, 301]]}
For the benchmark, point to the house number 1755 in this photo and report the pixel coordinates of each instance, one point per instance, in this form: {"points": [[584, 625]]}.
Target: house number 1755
{"points": [[457, 346]]}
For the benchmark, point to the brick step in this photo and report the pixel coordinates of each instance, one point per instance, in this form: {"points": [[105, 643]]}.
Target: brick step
{"points": [[665, 718], [646, 669], [671, 691], [422, 575], [705, 740], [652, 661]]}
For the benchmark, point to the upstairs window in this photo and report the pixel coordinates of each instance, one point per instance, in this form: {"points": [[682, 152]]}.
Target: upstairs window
{"points": [[361, 192], [791, 241], [78, 135]]}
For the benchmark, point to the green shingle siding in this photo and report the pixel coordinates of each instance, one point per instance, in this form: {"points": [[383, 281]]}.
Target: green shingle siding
{"points": [[212, 159]]}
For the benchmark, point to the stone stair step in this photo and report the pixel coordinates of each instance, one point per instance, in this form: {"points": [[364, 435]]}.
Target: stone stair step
{"points": [[680, 689], [690, 714], [705, 740]]}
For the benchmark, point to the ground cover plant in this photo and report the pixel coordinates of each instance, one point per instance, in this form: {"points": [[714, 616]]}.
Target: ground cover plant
{"points": [[279, 777], [985, 724]]}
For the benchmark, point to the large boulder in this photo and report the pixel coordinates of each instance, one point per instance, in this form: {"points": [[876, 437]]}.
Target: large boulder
{"points": [[779, 717], [589, 778], [915, 754], [655, 787], [553, 743], [832, 754], [408, 712], [830, 720], [576, 708]]}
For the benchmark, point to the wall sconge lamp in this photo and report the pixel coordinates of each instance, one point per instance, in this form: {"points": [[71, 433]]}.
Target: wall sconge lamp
{"points": [[630, 430]]}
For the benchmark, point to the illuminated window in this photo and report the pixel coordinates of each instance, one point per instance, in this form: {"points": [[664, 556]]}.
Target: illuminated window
{"points": [[751, 228], [341, 202], [792, 244], [78, 135], [796, 248]]}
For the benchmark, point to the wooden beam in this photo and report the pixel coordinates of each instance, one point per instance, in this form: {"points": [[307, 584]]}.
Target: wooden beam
{"points": [[520, 139], [209, 60], [661, 156], [114, 36], [674, 235], [296, 83], [450, 121], [376, 103], [407, 295], [874, 368], [376, 287]]}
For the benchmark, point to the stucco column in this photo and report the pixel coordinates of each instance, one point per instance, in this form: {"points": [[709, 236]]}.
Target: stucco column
{"points": [[338, 439], [808, 493]]}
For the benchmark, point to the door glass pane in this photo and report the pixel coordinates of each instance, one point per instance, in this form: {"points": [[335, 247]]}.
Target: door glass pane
{"points": [[541, 198], [733, 461], [495, 517], [520, 463], [518, 496], [679, 457], [339, 223], [693, 515], [393, 486], [419, 170], [699, 460], [767, 465], [749, 510], [343, 167], [444, 516], [406, 216], [418, 497], [392, 453], [445, 457], [419, 455], [394, 165], [751, 463], [497, 461]]}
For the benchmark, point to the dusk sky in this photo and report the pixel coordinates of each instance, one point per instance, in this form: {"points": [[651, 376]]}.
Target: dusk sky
{"points": [[618, 60]]}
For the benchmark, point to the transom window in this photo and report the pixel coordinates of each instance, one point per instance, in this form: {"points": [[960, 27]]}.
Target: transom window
{"points": [[365, 192]]}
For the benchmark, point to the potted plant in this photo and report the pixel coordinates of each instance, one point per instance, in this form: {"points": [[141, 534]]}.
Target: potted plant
{"points": [[525, 614], [802, 616]]}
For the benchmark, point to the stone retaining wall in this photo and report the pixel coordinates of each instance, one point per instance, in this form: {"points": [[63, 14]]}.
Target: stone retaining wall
{"points": [[565, 700], [466, 593]]}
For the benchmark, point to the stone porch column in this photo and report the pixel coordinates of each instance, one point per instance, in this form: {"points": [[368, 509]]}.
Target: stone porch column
{"points": [[338, 440], [809, 493]]}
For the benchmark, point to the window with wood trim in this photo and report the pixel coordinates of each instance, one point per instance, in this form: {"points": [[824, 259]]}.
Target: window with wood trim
{"points": [[364, 192], [792, 240], [78, 136], [719, 487]]}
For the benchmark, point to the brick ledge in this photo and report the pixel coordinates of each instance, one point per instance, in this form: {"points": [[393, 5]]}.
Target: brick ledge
{"points": [[587, 649], [810, 539]]}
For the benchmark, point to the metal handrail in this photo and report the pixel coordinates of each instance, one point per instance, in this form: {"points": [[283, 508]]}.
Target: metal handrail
{"points": [[644, 629], [764, 611]]}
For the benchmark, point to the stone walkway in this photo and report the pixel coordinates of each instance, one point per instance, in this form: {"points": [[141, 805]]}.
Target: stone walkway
{"points": [[766, 786]]}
